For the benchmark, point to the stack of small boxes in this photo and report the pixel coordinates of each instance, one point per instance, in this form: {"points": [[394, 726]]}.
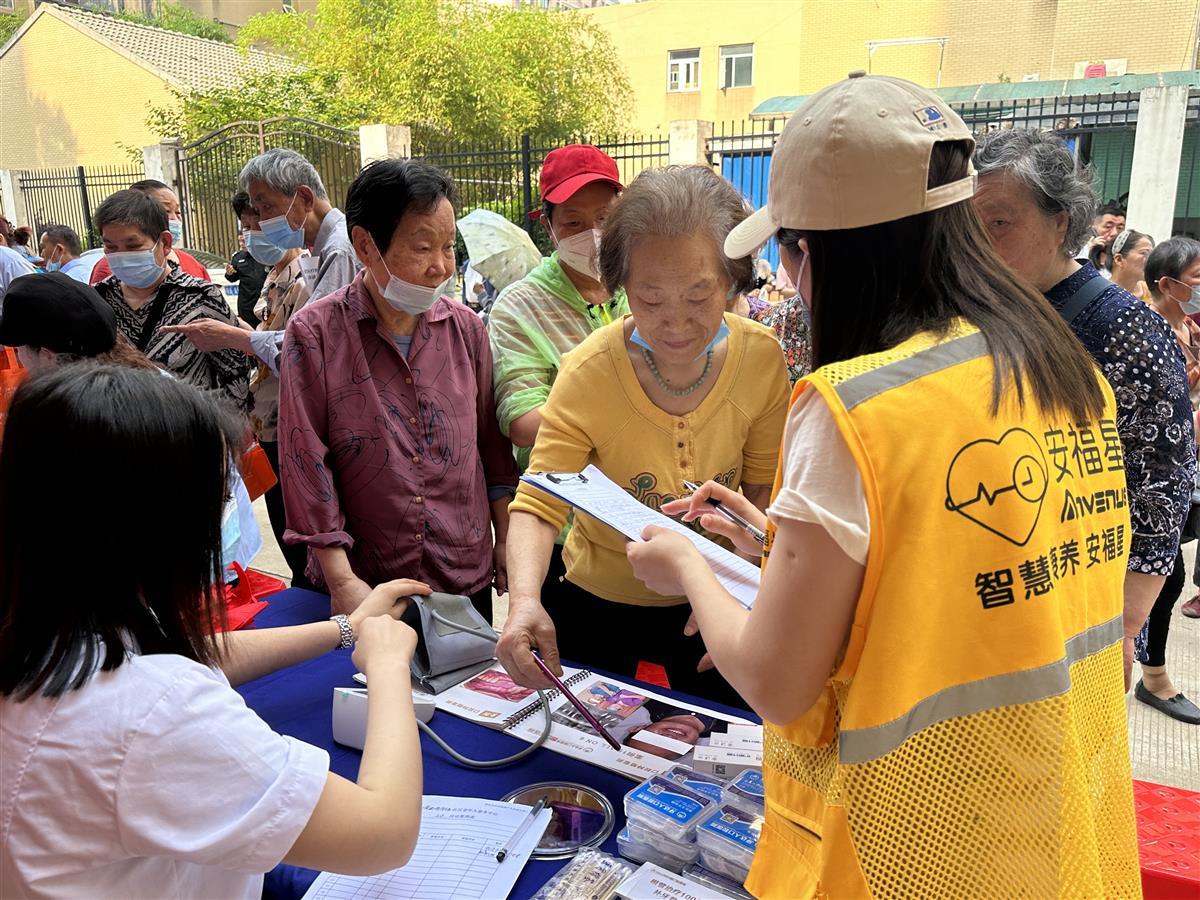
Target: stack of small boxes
{"points": [[685, 819], [728, 836]]}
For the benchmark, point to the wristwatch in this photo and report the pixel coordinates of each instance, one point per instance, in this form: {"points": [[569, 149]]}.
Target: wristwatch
{"points": [[343, 624]]}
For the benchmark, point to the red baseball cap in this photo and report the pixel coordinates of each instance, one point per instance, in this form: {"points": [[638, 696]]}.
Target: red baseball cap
{"points": [[567, 169]]}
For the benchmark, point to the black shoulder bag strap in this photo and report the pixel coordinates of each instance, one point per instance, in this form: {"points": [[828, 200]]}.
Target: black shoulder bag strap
{"points": [[1082, 298], [157, 308]]}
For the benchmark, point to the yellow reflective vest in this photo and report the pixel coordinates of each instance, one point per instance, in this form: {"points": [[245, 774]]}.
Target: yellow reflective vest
{"points": [[972, 739]]}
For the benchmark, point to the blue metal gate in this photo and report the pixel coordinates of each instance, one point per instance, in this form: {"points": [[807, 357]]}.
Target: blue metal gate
{"points": [[743, 151]]}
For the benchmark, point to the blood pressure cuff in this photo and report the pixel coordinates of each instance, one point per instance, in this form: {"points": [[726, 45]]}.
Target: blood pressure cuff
{"points": [[446, 655]]}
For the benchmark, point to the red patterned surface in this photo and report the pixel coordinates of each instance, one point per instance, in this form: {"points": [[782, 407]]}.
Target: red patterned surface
{"points": [[1168, 841]]}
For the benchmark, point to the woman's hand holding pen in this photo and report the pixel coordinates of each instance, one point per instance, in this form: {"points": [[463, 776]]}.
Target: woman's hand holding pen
{"points": [[696, 507]]}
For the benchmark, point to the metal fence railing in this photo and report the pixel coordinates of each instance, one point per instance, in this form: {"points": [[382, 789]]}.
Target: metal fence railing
{"points": [[741, 152], [1187, 192], [70, 195], [209, 167], [503, 176], [1098, 128]]}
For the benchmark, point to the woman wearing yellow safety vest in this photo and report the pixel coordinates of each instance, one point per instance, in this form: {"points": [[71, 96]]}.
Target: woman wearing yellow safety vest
{"points": [[936, 645]]}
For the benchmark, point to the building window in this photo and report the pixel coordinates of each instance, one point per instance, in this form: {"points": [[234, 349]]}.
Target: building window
{"points": [[683, 70], [737, 65]]}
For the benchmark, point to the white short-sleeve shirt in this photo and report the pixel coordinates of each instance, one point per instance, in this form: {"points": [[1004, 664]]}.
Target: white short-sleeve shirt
{"points": [[821, 483], [153, 780]]}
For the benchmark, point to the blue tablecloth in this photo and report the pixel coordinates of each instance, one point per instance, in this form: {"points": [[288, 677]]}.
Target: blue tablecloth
{"points": [[299, 702]]}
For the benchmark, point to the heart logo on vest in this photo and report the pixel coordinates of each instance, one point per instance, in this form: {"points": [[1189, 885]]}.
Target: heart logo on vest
{"points": [[1000, 485]]}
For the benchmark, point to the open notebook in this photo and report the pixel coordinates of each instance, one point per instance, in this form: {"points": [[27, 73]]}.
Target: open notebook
{"points": [[656, 732], [592, 492]]}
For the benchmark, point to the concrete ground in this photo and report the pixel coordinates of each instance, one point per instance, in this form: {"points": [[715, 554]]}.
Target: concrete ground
{"points": [[1164, 751]]}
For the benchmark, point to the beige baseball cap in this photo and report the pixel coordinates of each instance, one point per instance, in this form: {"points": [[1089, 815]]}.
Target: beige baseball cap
{"points": [[856, 154]]}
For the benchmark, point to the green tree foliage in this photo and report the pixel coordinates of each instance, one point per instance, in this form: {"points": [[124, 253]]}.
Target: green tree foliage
{"points": [[174, 17], [8, 26], [460, 71], [303, 93]]}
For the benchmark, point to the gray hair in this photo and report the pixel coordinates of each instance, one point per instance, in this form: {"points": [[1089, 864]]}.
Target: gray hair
{"points": [[672, 202], [282, 170], [1042, 162]]}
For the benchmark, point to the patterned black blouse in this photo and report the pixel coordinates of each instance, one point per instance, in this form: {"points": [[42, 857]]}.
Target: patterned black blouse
{"points": [[187, 298], [1138, 354]]}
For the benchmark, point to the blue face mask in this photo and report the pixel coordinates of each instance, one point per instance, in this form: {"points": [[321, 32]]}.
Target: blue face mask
{"points": [[136, 268], [175, 226], [279, 231], [261, 249], [722, 333]]}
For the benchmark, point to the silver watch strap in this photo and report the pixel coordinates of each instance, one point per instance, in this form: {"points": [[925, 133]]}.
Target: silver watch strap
{"points": [[343, 624]]}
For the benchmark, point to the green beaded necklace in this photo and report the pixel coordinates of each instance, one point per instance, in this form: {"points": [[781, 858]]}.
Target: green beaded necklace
{"points": [[666, 386]]}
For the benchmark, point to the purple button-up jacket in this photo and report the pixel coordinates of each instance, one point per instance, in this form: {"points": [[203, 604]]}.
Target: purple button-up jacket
{"points": [[389, 457]]}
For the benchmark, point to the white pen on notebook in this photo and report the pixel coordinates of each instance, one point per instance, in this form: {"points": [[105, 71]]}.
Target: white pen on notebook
{"points": [[520, 832]]}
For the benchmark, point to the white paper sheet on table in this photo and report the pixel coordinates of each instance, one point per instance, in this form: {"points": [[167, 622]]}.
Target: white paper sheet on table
{"points": [[603, 499], [455, 856]]}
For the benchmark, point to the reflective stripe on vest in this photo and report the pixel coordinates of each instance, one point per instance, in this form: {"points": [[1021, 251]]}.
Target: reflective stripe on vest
{"points": [[1010, 689], [924, 362]]}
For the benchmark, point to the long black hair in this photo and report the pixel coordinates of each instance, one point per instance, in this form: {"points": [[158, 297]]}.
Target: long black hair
{"points": [[112, 484], [877, 286]]}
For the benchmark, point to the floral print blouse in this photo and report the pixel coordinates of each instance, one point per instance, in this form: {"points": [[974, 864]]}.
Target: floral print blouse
{"points": [[1137, 352], [790, 320]]}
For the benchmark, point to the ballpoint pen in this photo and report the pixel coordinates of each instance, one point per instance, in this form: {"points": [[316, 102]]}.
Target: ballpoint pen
{"points": [[757, 533], [521, 829]]}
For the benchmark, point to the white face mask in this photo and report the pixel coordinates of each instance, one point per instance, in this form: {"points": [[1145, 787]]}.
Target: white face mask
{"points": [[413, 299], [581, 252], [1191, 306]]}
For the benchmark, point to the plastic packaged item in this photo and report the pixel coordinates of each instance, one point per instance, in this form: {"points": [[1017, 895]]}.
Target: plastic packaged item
{"points": [[639, 851], [746, 791], [681, 849], [723, 866], [592, 873], [730, 887], [667, 807], [709, 785], [728, 838]]}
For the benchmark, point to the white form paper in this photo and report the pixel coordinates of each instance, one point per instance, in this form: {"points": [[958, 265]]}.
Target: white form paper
{"points": [[595, 494], [455, 855]]}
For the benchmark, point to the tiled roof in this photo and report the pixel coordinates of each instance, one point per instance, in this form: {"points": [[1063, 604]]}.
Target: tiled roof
{"points": [[186, 61]]}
